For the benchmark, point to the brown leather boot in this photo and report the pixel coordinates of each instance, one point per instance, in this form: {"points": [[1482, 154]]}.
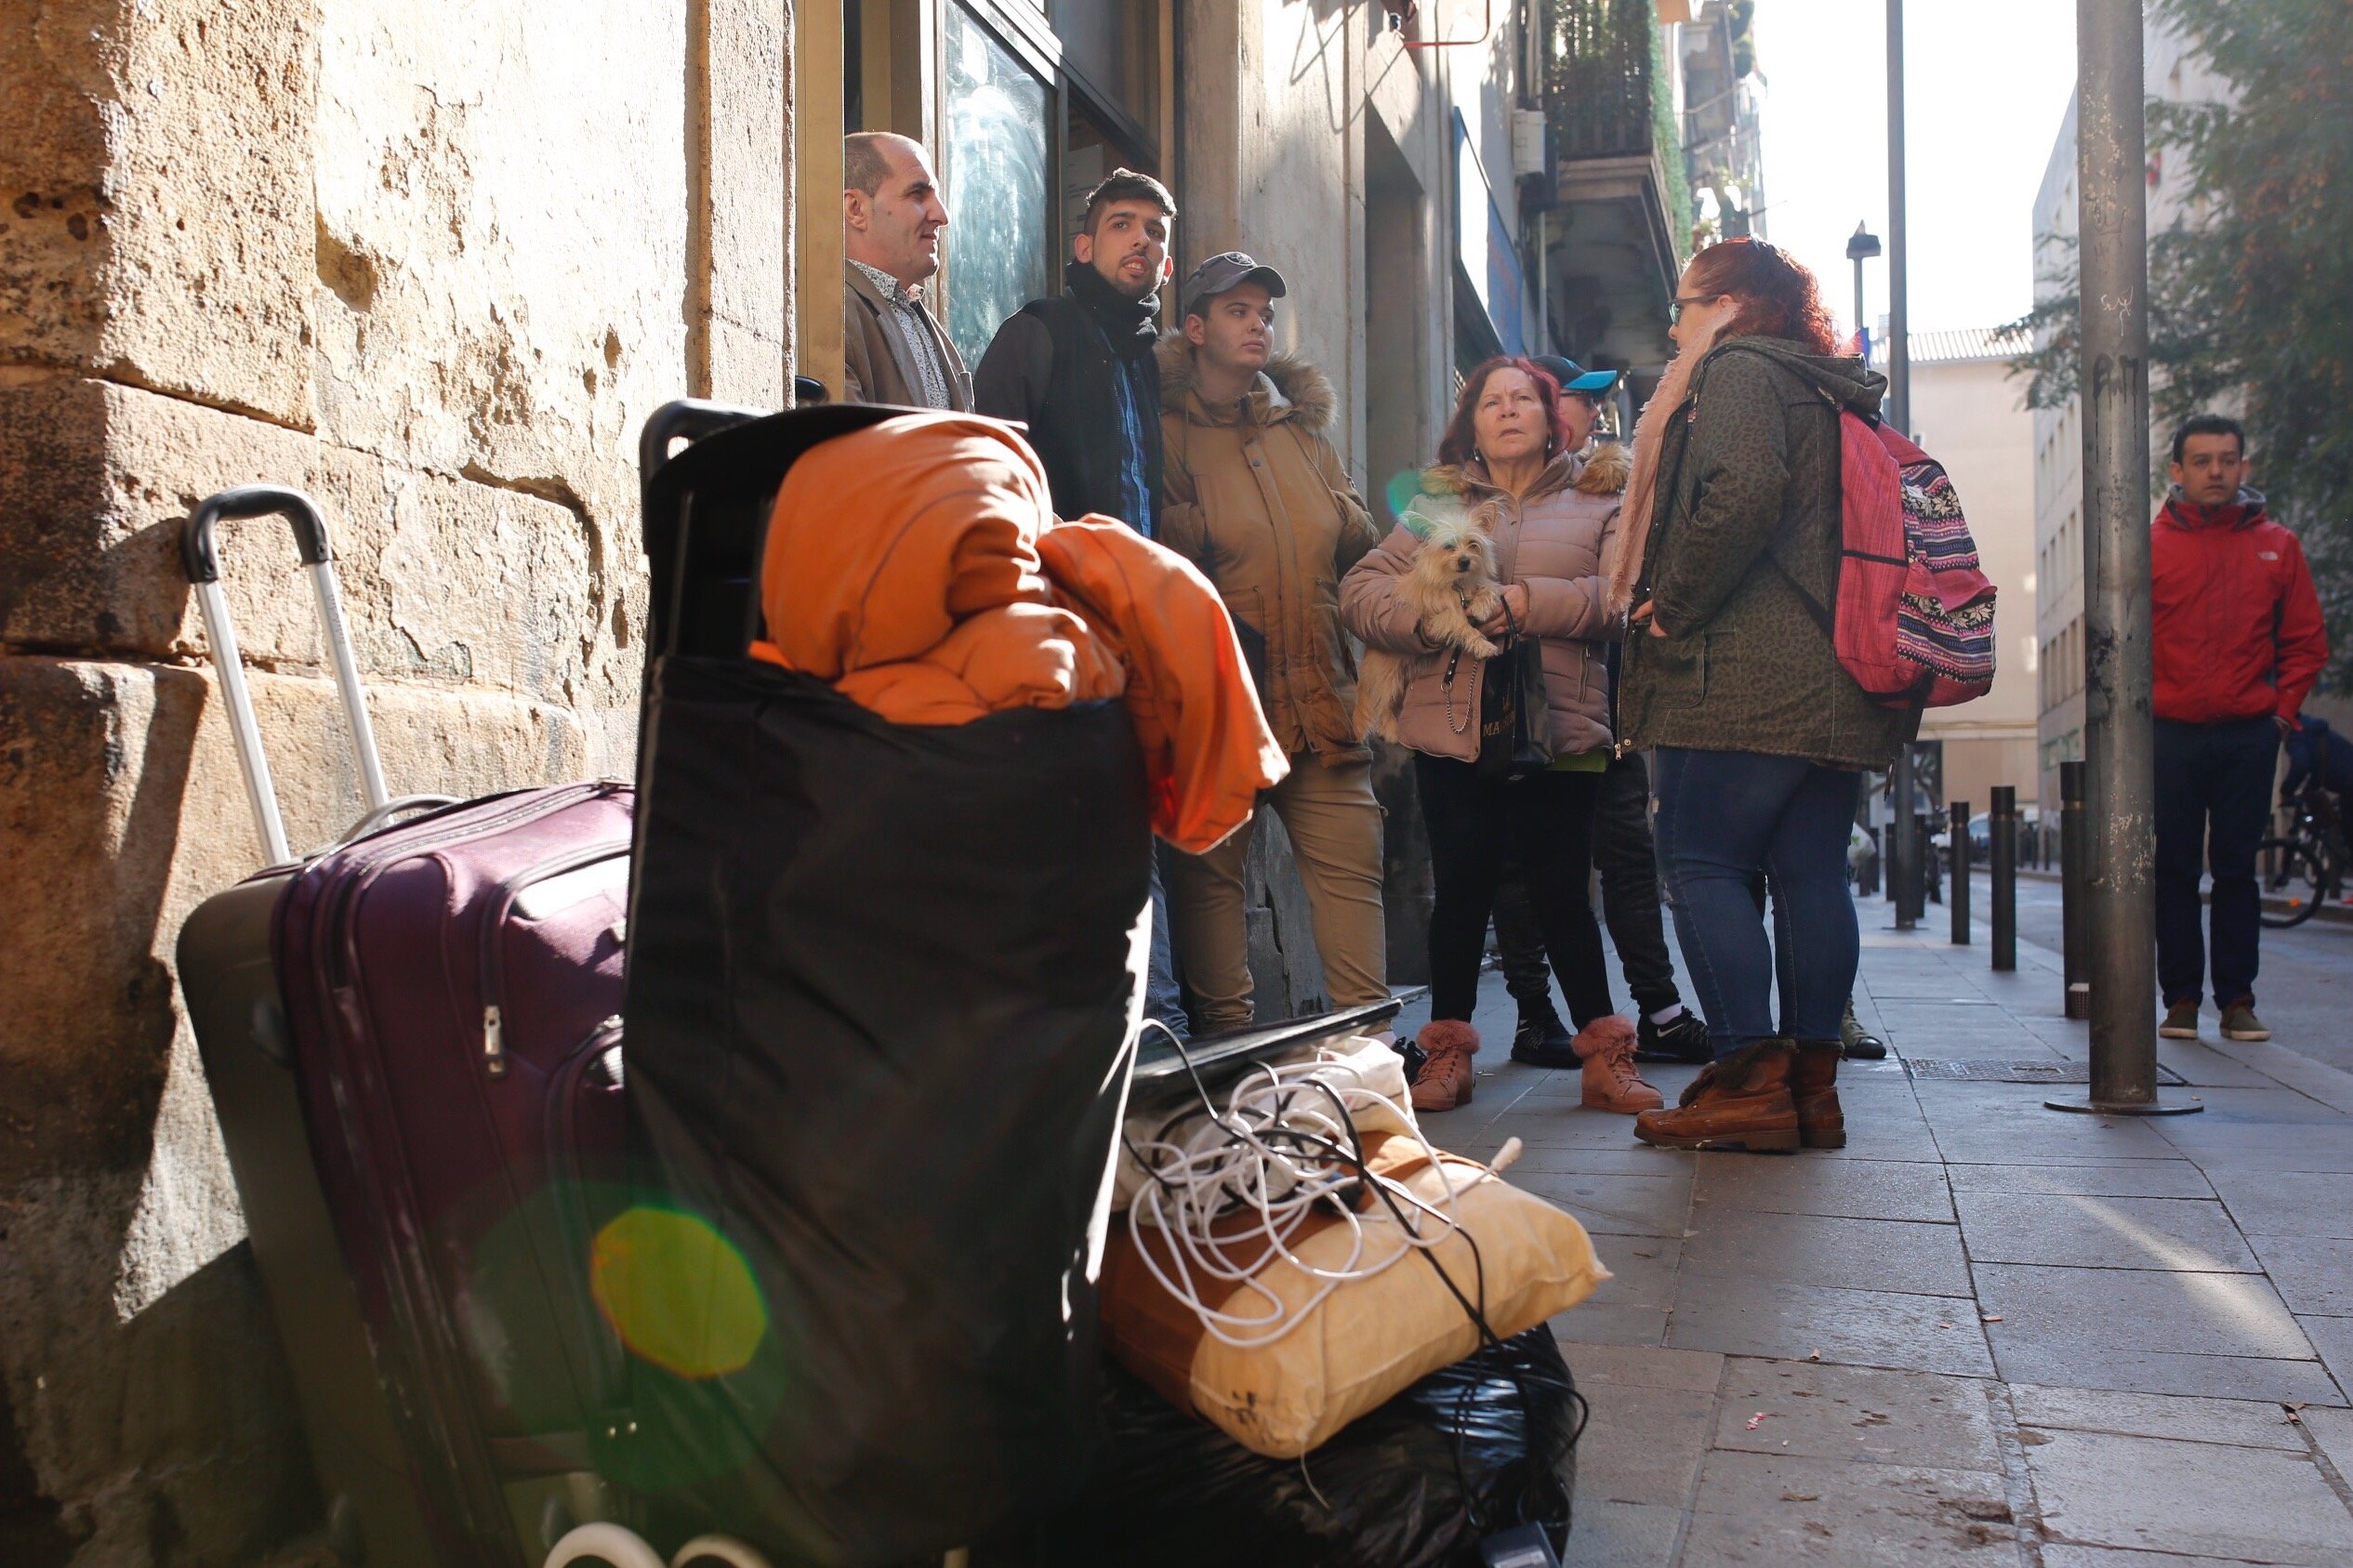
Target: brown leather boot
{"points": [[1446, 1079], [1814, 1086], [1737, 1101]]}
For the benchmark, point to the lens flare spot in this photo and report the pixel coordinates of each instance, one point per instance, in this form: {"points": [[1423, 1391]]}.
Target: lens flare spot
{"points": [[677, 1293], [1404, 485]]}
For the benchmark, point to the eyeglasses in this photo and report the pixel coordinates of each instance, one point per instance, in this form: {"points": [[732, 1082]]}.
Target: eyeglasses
{"points": [[1676, 307]]}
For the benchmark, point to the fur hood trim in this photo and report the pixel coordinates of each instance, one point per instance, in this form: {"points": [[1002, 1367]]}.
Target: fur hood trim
{"points": [[1603, 471], [1289, 388]]}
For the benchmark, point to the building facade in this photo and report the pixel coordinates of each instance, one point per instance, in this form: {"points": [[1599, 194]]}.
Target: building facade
{"points": [[2175, 73], [1969, 409], [436, 270]]}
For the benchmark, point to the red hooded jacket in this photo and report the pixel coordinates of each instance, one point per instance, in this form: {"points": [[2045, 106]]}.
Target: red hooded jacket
{"points": [[2235, 629]]}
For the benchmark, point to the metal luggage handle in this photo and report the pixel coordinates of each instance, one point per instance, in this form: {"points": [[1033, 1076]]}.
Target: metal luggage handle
{"points": [[202, 561]]}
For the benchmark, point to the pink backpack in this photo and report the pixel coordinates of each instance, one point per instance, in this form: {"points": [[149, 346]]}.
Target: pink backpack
{"points": [[1914, 620]]}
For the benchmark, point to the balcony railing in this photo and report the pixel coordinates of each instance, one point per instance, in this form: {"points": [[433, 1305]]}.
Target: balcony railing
{"points": [[1607, 94]]}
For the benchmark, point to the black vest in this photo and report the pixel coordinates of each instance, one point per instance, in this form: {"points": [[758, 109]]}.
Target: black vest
{"points": [[1077, 434]]}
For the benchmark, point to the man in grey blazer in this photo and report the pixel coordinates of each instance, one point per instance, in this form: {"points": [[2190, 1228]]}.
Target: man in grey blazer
{"points": [[892, 348]]}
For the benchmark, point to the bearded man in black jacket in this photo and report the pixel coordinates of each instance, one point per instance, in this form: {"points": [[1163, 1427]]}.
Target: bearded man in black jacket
{"points": [[1077, 367]]}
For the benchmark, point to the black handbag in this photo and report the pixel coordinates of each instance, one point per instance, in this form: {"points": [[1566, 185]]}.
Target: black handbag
{"points": [[1514, 731]]}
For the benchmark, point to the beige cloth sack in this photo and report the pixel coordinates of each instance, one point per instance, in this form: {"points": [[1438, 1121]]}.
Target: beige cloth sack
{"points": [[1370, 1338]]}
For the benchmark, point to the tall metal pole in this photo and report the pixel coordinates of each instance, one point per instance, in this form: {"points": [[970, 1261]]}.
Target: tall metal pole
{"points": [[1905, 862], [2111, 168], [1898, 232]]}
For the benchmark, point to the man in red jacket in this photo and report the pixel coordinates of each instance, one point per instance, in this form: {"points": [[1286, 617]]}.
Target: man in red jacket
{"points": [[2238, 641]]}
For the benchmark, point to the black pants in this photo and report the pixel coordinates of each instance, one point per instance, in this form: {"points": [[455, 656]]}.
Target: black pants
{"points": [[2214, 800], [1629, 869], [1475, 825]]}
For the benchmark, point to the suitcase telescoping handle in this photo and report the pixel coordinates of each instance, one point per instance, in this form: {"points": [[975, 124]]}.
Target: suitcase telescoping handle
{"points": [[203, 562]]}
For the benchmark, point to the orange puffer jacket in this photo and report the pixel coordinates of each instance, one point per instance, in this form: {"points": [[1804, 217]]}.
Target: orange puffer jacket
{"points": [[917, 566]]}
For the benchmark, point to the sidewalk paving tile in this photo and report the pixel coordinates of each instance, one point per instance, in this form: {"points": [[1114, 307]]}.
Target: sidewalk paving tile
{"points": [[1772, 1509], [1634, 1159], [1818, 1411], [2333, 1339], [1851, 1189], [1693, 1371], [2101, 1489], [2331, 1432], [2288, 1203], [2121, 1178], [1607, 1534], [1642, 1444], [1852, 1327], [2058, 1555], [2079, 1231], [1598, 1322], [1615, 1206], [2314, 1275], [2098, 1310], [2241, 1422], [2168, 1371], [1877, 1255]]}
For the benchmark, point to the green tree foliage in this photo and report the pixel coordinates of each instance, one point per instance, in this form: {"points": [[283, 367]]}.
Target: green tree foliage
{"points": [[2251, 294]]}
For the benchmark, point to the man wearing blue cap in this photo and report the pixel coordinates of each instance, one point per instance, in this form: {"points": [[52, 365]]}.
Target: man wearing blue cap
{"points": [[1666, 1029]]}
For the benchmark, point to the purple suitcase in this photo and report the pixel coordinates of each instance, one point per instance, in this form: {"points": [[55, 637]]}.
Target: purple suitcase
{"points": [[451, 986], [434, 1014]]}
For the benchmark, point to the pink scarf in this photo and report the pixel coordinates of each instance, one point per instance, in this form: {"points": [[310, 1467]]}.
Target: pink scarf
{"points": [[1642, 489]]}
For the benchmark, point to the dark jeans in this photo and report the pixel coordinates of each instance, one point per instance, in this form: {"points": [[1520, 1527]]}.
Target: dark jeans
{"points": [[1723, 817], [1629, 868], [2214, 793], [1473, 824]]}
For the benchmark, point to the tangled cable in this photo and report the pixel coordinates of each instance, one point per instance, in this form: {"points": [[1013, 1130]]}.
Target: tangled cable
{"points": [[1286, 1147]]}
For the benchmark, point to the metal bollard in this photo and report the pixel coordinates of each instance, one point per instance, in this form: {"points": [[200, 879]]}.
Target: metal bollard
{"points": [[2075, 866], [1959, 898], [2001, 834]]}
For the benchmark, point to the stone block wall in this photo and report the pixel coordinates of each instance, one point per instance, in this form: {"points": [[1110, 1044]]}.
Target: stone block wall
{"points": [[434, 266]]}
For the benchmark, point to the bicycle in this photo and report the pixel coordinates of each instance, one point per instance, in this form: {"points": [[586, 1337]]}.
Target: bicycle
{"points": [[2299, 871]]}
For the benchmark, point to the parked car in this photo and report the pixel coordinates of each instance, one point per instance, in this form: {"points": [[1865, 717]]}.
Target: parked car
{"points": [[1981, 836]]}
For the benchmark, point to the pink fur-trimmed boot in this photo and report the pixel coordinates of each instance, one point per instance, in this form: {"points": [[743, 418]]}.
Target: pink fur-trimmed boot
{"points": [[1611, 1084], [1445, 1080]]}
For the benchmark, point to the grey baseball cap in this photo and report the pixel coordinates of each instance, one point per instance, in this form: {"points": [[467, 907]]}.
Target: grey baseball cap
{"points": [[1229, 270]]}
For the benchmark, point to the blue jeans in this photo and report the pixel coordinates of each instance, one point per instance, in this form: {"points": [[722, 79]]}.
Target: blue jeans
{"points": [[2214, 802], [1163, 998], [1722, 816]]}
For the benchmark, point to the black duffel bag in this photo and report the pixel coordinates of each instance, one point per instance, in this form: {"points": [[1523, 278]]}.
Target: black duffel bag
{"points": [[880, 995]]}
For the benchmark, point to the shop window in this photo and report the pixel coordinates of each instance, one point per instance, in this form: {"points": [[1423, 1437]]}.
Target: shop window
{"points": [[999, 177]]}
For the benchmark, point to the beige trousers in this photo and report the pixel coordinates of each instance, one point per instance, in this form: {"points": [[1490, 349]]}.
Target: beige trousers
{"points": [[1335, 828]]}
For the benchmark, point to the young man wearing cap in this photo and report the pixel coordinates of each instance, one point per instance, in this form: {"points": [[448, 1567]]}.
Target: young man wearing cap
{"points": [[1667, 1031], [1255, 494], [1077, 368]]}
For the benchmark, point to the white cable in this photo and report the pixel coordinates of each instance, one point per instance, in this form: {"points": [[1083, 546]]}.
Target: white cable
{"points": [[1283, 1148]]}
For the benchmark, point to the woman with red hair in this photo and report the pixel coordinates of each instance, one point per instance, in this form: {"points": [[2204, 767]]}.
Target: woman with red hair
{"points": [[1730, 562], [1507, 471]]}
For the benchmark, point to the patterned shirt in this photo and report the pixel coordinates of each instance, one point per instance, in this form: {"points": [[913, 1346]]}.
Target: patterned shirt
{"points": [[915, 325]]}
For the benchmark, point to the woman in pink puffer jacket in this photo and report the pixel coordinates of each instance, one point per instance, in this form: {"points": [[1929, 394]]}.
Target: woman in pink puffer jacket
{"points": [[1552, 515]]}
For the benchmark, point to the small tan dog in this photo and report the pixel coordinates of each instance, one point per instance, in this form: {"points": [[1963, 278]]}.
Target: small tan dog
{"points": [[1452, 588]]}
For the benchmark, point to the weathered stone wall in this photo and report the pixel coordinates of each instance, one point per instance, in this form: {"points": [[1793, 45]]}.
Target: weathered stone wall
{"points": [[434, 266]]}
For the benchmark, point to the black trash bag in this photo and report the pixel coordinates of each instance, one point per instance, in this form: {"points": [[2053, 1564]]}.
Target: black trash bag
{"points": [[1486, 1444], [883, 982]]}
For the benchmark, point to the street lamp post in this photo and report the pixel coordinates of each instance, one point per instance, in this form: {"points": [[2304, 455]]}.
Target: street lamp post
{"points": [[1861, 247], [2118, 738], [1910, 887]]}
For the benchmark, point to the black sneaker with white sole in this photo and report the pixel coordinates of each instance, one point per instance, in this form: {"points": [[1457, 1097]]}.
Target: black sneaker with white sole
{"points": [[1542, 1040], [1682, 1038]]}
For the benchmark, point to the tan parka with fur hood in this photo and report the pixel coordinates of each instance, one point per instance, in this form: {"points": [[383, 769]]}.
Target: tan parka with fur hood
{"points": [[1553, 540], [1254, 494]]}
